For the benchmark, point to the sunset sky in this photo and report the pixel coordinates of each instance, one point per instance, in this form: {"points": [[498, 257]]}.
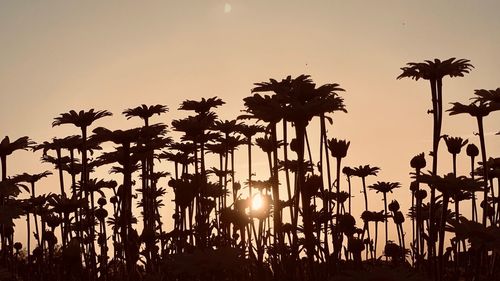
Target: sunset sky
{"points": [[61, 55]]}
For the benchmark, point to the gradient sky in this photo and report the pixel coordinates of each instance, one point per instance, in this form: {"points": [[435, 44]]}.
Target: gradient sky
{"points": [[62, 55]]}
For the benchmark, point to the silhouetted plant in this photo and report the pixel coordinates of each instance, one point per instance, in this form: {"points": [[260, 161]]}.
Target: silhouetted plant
{"points": [[449, 186], [435, 71], [480, 108], [384, 188], [472, 151], [220, 233]]}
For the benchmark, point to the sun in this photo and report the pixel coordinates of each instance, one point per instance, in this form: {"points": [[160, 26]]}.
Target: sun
{"points": [[257, 202], [227, 8]]}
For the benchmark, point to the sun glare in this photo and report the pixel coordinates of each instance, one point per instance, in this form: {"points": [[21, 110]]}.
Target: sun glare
{"points": [[257, 202]]}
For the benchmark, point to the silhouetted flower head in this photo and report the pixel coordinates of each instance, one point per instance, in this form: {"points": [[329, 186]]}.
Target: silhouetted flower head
{"points": [[52, 220], [50, 238], [340, 197], [366, 170], [398, 217], [262, 185], [225, 126], [369, 216], [384, 187], [101, 201], [414, 186], [421, 194], [348, 171], [7, 147], [101, 214], [338, 148], [18, 246], [394, 206], [81, 119], [487, 96], [65, 205], [475, 109], [450, 184], [265, 108], [436, 69], [455, 144], [393, 251], [249, 130], [346, 224], [294, 146], [472, 150], [31, 178], [202, 106], [418, 161], [355, 245], [312, 185], [145, 112], [267, 144]]}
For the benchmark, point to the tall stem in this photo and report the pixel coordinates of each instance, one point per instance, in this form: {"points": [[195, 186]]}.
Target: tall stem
{"points": [[385, 220], [485, 164], [474, 208], [435, 145]]}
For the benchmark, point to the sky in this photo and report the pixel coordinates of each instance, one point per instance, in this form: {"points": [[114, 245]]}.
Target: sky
{"points": [[61, 55]]}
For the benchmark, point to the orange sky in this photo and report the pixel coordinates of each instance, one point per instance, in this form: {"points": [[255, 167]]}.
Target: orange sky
{"points": [[62, 55]]}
